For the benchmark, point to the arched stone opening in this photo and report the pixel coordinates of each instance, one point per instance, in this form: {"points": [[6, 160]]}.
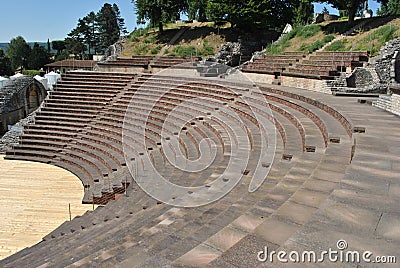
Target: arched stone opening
{"points": [[32, 99]]}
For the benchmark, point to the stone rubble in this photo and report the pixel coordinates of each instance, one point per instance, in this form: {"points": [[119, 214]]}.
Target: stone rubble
{"points": [[228, 54], [113, 51], [11, 137], [383, 62]]}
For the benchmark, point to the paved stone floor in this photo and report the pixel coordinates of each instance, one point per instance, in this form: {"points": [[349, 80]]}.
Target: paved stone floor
{"points": [[34, 201]]}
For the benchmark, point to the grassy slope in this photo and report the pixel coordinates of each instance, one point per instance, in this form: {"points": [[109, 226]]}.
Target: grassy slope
{"points": [[200, 37], [310, 38], [371, 40], [203, 39]]}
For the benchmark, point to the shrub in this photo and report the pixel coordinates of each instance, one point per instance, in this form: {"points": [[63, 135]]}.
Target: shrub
{"points": [[303, 47], [140, 49], [155, 50], [207, 50], [315, 46], [308, 30], [139, 32], [149, 40], [183, 51], [385, 33], [31, 72], [311, 47], [328, 38], [336, 46]]}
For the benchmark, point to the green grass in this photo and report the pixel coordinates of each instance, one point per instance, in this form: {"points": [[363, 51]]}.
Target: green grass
{"points": [[135, 39], [311, 47], [385, 33], [328, 38], [184, 51], [155, 50], [150, 40], [336, 46], [302, 32], [31, 72], [279, 47], [307, 31], [141, 49], [376, 39], [190, 51]]}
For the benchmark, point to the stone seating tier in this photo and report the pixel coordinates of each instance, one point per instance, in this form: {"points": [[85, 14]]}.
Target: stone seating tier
{"points": [[303, 188]]}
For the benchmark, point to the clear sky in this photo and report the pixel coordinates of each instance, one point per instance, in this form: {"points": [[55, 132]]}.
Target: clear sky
{"points": [[45, 19], [53, 19]]}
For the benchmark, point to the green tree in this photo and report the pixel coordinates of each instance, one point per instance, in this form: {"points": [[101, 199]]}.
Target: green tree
{"points": [[18, 51], [48, 46], [58, 45], [304, 12], [108, 29], [158, 12], [325, 11], [74, 44], [37, 58], [196, 10], [120, 20], [351, 6], [5, 64], [391, 7], [252, 14], [88, 29]]}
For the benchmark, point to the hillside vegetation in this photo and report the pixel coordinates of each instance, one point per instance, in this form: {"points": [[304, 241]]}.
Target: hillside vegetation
{"points": [[150, 41], [204, 39], [372, 36], [201, 39]]}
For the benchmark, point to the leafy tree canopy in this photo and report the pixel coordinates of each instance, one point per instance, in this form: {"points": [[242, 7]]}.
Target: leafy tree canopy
{"points": [[351, 6], [5, 64], [18, 51], [390, 7], [158, 12], [95, 32], [38, 57]]}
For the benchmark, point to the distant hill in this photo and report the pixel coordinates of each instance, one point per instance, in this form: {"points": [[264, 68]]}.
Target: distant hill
{"points": [[4, 46]]}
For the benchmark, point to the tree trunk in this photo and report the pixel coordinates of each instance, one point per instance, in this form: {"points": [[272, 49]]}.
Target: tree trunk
{"points": [[352, 15], [352, 12], [160, 27]]}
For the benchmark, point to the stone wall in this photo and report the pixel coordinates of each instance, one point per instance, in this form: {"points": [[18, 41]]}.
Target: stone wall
{"points": [[306, 83], [390, 102], [318, 85], [360, 78], [19, 98], [260, 78], [384, 63], [396, 104], [11, 137], [122, 68]]}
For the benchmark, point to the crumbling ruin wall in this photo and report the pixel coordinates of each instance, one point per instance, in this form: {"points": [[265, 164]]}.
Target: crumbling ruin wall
{"points": [[19, 98], [387, 61]]}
